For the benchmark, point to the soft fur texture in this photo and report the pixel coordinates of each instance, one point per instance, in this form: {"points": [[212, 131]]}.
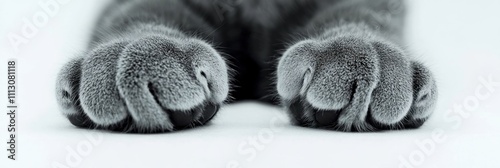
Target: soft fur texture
{"points": [[164, 65]]}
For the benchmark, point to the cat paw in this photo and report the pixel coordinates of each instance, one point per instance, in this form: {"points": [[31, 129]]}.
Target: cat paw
{"points": [[150, 84], [354, 83]]}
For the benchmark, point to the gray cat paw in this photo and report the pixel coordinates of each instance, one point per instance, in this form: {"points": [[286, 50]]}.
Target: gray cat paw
{"points": [[150, 84], [354, 83]]}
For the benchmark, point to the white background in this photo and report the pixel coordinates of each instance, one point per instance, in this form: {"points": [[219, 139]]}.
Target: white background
{"points": [[458, 39]]}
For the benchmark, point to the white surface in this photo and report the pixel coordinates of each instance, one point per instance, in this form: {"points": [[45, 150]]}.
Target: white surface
{"points": [[458, 39]]}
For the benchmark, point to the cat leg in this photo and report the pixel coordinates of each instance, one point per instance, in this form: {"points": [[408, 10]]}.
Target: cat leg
{"points": [[351, 73]]}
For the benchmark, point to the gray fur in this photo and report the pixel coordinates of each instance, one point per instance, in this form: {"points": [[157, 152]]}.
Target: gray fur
{"points": [[98, 92], [116, 80], [68, 86], [150, 58], [140, 70], [356, 67], [425, 91], [173, 69]]}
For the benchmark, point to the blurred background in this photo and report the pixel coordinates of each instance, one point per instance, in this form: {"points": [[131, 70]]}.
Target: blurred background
{"points": [[458, 39]]}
